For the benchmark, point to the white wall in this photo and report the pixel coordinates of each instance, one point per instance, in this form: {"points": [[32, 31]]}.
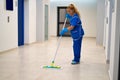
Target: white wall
{"points": [[8, 31], [100, 21], [114, 57], [88, 10], [40, 36], [30, 21]]}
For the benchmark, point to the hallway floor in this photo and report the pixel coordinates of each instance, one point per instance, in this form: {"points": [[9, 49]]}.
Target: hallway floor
{"points": [[26, 62]]}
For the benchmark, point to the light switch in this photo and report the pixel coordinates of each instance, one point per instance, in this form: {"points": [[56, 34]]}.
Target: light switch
{"points": [[8, 19]]}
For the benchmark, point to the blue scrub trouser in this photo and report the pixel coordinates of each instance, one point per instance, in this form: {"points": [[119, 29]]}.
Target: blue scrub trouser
{"points": [[77, 49]]}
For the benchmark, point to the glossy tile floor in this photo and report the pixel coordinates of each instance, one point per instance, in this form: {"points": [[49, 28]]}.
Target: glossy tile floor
{"points": [[26, 62]]}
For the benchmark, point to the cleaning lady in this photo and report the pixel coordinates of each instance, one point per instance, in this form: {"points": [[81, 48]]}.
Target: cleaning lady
{"points": [[76, 31]]}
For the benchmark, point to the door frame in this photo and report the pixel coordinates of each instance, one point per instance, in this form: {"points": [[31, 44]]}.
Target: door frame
{"points": [[107, 33], [58, 30], [119, 54]]}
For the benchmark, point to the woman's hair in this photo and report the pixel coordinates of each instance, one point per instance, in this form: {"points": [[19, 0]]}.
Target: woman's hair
{"points": [[72, 7]]}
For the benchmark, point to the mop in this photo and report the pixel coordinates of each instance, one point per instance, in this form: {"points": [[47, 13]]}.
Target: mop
{"points": [[53, 61]]}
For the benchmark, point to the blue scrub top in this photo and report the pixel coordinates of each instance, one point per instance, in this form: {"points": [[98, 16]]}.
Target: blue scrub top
{"points": [[77, 31]]}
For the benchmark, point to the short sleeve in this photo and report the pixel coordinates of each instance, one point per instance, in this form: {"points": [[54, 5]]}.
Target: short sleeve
{"points": [[68, 16]]}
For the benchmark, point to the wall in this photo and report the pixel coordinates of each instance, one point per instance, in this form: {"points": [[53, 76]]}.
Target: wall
{"points": [[33, 26], [88, 10], [30, 21], [100, 21], [40, 36], [8, 31], [114, 57]]}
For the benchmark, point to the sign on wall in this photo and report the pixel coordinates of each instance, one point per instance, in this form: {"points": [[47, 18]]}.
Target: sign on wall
{"points": [[9, 5]]}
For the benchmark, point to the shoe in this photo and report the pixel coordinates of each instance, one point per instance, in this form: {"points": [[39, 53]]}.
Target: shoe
{"points": [[74, 62]]}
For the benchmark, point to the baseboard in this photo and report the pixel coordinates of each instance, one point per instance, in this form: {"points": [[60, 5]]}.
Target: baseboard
{"points": [[8, 50], [30, 43]]}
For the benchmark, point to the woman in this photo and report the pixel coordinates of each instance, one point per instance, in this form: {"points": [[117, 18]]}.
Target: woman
{"points": [[76, 30]]}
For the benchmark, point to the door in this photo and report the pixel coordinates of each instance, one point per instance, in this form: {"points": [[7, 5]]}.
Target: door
{"points": [[20, 22], [46, 22], [107, 31], [61, 12]]}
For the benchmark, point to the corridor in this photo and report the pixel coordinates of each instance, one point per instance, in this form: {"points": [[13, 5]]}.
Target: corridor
{"points": [[26, 62]]}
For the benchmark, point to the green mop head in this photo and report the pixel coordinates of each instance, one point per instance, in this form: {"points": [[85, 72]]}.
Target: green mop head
{"points": [[52, 66]]}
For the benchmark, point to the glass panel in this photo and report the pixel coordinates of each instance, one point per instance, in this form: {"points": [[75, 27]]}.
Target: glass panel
{"points": [[62, 15]]}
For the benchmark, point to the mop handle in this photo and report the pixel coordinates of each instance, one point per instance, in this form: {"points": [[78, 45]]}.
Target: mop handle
{"points": [[64, 23], [59, 41]]}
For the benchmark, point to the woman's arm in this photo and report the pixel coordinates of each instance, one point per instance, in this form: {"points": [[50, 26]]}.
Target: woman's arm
{"points": [[70, 28], [63, 31]]}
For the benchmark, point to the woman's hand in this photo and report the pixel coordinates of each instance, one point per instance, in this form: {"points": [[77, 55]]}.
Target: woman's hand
{"points": [[63, 31]]}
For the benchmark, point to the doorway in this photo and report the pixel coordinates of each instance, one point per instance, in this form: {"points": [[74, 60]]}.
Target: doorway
{"points": [[61, 12], [20, 22], [46, 22]]}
